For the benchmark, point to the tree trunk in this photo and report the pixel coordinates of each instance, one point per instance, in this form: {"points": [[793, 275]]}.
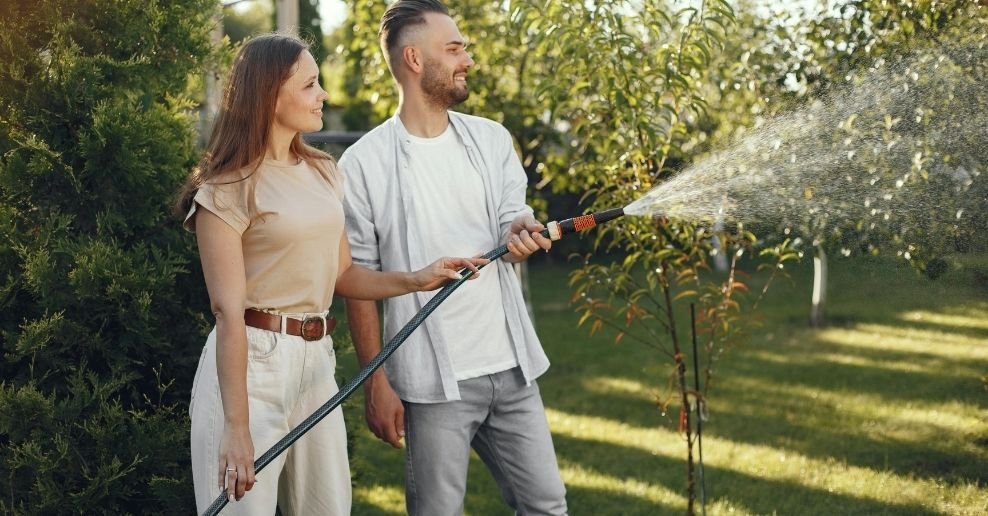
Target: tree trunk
{"points": [[684, 411], [685, 425], [819, 305], [214, 87], [287, 15]]}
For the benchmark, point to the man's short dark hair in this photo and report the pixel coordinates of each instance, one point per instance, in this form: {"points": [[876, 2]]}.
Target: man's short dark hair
{"points": [[398, 18]]}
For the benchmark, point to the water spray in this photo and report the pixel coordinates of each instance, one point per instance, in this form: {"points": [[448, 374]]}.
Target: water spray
{"points": [[553, 230]]}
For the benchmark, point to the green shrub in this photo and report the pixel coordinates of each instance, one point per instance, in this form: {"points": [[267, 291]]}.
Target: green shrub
{"points": [[101, 300]]}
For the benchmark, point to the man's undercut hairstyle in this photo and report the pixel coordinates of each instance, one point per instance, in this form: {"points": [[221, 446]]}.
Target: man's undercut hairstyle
{"points": [[398, 19]]}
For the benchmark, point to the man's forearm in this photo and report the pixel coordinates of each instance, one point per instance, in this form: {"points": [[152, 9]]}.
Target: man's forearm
{"points": [[365, 328]]}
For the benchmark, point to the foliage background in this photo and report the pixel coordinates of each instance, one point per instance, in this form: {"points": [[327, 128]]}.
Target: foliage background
{"points": [[102, 307]]}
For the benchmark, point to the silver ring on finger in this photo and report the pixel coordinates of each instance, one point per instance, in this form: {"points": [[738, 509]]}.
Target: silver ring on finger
{"points": [[231, 469]]}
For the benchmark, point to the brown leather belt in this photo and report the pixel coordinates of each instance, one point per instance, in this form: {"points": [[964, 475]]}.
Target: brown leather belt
{"points": [[311, 328]]}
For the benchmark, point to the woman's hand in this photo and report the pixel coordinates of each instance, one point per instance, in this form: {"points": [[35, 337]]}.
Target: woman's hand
{"points": [[236, 473], [445, 269]]}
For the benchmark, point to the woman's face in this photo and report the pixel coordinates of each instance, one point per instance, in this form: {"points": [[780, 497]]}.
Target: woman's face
{"points": [[300, 98]]}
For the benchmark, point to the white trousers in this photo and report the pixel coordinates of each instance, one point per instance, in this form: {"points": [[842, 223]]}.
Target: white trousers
{"points": [[287, 380]]}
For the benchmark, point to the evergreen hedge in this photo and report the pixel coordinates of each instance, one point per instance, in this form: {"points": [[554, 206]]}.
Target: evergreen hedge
{"points": [[102, 307]]}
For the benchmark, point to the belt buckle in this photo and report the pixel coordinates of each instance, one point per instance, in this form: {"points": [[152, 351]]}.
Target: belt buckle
{"points": [[311, 331]]}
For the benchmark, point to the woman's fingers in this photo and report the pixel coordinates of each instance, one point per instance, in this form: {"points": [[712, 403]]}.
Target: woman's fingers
{"points": [[237, 480], [230, 482], [451, 266], [251, 480], [241, 482], [471, 263]]}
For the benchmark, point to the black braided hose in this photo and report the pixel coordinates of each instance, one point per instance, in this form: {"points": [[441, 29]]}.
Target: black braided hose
{"points": [[566, 226]]}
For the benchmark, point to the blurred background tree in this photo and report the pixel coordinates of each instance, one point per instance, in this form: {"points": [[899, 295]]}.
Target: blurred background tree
{"points": [[786, 61], [245, 19], [102, 303]]}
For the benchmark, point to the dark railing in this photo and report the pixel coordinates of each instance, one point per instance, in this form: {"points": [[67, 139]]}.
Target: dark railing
{"points": [[333, 137]]}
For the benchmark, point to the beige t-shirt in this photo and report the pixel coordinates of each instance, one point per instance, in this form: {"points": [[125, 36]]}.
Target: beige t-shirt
{"points": [[291, 241]]}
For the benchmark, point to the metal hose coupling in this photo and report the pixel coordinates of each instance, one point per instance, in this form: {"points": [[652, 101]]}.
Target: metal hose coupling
{"points": [[555, 230]]}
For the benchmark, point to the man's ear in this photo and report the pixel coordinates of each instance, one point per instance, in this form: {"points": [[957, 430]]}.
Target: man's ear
{"points": [[412, 58]]}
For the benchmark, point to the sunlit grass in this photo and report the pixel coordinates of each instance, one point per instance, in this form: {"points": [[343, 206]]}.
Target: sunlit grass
{"points": [[576, 475], [882, 413], [874, 415], [387, 499], [883, 337], [975, 320]]}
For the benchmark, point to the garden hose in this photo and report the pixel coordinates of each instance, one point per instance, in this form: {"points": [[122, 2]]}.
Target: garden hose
{"points": [[554, 230]]}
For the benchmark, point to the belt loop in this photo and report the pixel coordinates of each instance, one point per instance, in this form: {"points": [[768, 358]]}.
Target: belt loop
{"points": [[284, 324]]}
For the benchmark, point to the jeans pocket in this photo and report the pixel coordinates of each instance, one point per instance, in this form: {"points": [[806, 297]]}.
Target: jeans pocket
{"points": [[196, 380], [261, 344]]}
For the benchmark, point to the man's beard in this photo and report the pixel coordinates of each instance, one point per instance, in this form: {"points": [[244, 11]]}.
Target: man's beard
{"points": [[439, 86]]}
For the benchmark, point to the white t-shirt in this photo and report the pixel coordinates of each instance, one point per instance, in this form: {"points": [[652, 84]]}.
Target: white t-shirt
{"points": [[449, 203]]}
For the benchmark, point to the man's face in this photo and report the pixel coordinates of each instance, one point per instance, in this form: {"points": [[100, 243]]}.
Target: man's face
{"points": [[445, 62]]}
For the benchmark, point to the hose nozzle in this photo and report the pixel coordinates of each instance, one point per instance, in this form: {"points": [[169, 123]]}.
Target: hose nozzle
{"points": [[555, 230]]}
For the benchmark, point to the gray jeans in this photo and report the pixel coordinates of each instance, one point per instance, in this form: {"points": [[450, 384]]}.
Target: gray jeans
{"points": [[504, 421]]}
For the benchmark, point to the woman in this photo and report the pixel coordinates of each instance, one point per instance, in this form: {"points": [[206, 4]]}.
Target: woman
{"points": [[267, 212]]}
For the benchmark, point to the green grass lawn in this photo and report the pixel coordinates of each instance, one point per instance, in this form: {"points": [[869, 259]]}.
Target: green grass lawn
{"points": [[881, 412]]}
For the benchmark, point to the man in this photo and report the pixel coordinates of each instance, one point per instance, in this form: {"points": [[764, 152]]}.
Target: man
{"points": [[431, 182]]}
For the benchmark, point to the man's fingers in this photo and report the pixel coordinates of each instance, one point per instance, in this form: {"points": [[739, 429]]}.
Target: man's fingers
{"points": [[529, 244], [400, 426], [544, 243], [393, 439], [513, 247]]}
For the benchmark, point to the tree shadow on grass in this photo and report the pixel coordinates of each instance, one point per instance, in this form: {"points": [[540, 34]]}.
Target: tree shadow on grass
{"points": [[777, 417], [842, 440], [757, 495], [894, 385]]}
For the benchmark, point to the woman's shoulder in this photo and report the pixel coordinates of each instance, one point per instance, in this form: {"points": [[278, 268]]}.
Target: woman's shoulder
{"points": [[229, 177]]}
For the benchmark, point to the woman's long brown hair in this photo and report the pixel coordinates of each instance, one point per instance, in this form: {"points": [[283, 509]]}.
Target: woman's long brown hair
{"points": [[240, 133]]}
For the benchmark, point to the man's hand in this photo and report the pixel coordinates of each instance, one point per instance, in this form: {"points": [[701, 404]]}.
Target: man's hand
{"points": [[384, 412], [525, 237]]}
